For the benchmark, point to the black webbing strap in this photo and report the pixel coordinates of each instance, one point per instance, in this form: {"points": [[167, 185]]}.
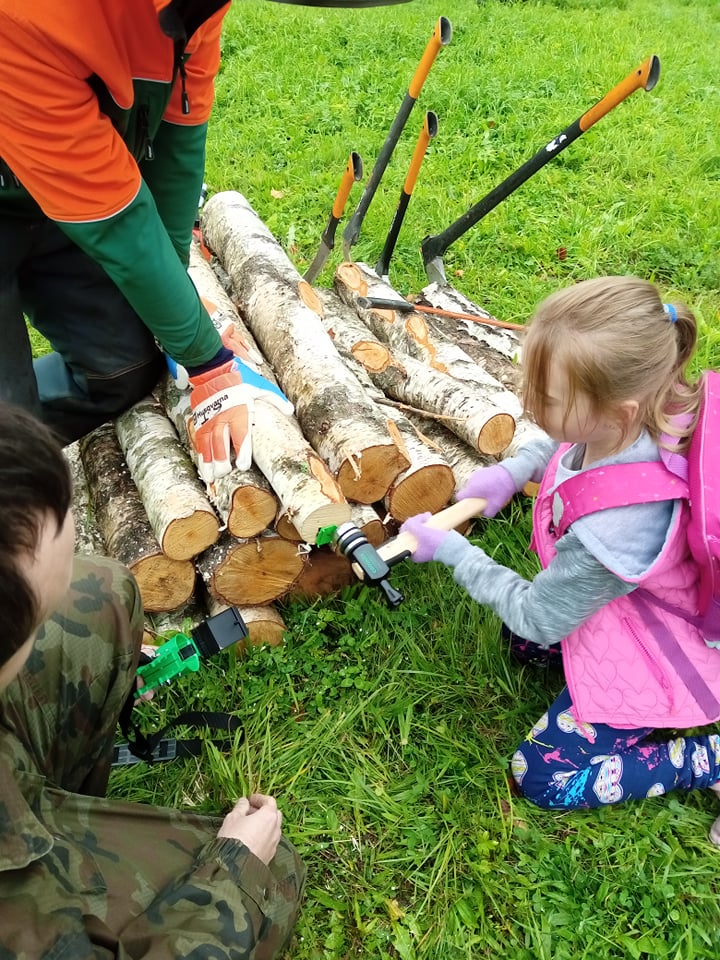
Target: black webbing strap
{"points": [[155, 746]]}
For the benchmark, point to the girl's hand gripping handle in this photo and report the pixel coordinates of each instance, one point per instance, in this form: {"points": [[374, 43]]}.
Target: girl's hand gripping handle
{"points": [[407, 541]]}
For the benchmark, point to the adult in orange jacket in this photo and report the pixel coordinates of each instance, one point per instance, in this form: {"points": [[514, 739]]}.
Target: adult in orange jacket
{"points": [[102, 142]]}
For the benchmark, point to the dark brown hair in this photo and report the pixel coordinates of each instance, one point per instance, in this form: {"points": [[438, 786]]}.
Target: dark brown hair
{"points": [[35, 487]]}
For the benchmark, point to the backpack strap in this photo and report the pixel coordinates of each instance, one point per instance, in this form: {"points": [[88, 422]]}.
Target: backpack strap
{"points": [[155, 746], [618, 485], [673, 651]]}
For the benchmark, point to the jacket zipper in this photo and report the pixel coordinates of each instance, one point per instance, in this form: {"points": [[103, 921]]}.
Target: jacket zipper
{"points": [[180, 68], [655, 668]]}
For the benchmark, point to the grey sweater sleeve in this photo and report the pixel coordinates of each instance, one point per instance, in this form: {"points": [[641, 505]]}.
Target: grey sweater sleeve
{"points": [[530, 462], [546, 609]]}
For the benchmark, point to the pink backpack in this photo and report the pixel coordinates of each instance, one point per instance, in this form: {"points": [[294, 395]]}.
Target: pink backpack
{"points": [[703, 475], [695, 476]]}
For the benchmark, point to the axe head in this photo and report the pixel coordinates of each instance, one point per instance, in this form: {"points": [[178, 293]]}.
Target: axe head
{"points": [[432, 254]]}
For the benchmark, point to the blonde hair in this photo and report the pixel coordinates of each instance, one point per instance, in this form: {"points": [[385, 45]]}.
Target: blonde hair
{"points": [[614, 340]]}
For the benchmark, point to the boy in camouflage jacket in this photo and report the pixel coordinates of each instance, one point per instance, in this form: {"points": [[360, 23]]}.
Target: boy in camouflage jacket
{"points": [[82, 876]]}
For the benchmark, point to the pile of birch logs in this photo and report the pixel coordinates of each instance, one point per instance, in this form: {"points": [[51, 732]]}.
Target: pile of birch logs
{"points": [[393, 412]]}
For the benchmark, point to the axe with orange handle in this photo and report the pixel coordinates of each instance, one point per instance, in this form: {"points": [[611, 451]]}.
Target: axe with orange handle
{"points": [[442, 34], [428, 132], [434, 247], [353, 173]]}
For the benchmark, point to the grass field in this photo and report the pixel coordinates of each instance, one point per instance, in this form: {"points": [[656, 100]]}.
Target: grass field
{"points": [[387, 735]]}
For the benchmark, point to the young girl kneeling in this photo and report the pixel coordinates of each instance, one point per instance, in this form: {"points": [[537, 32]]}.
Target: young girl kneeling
{"points": [[605, 377]]}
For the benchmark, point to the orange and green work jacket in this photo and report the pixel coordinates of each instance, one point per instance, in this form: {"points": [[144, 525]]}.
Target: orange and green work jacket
{"points": [[103, 120]]}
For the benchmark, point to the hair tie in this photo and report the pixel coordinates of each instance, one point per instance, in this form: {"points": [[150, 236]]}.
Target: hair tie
{"points": [[671, 312]]}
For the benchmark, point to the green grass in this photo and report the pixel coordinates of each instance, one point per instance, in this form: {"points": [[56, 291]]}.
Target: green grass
{"points": [[387, 735]]}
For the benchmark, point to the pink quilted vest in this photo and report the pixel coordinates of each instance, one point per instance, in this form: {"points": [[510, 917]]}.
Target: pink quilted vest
{"points": [[636, 662]]}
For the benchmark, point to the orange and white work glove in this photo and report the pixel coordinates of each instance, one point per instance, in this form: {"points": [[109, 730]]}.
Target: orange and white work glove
{"points": [[231, 340], [221, 416], [222, 402]]}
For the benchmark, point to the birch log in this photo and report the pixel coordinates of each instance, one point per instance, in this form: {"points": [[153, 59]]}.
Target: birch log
{"points": [[165, 584], [428, 483], [466, 412], [244, 499], [335, 414], [462, 459], [180, 514], [309, 494], [246, 573], [498, 349], [428, 339], [88, 539], [160, 626]]}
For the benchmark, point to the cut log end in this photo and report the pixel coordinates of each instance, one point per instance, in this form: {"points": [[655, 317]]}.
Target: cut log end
{"points": [[373, 356], [368, 478], [429, 488], [375, 532], [265, 627], [325, 572], [352, 276], [257, 572], [327, 515], [285, 528], [186, 537], [496, 434], [253, 509], [310, 298], [164, 584]]}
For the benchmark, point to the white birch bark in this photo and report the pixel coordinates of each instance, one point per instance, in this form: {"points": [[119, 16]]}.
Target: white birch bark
{"points": [[310, 496], [467, 413], [88, 539], [159, 626], [499, 350], [428, 483], [435, 341], [165, 584], [495, 342], [463, 460], [180, 514], [335, 414]]}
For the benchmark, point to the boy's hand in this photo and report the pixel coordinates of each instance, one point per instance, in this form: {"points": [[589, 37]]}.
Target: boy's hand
{"points": [[256, 822], [149, 651]]}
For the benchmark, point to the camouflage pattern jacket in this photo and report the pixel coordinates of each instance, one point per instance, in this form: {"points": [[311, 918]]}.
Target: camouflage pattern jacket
{"points": [[87, 878]]}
